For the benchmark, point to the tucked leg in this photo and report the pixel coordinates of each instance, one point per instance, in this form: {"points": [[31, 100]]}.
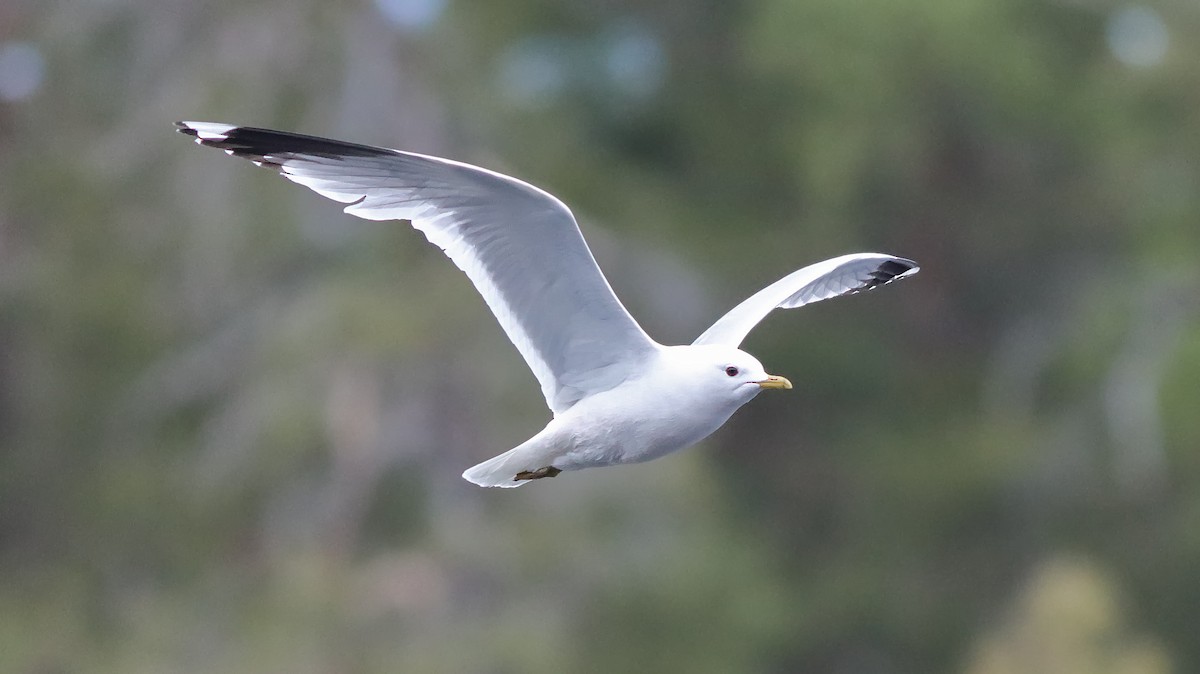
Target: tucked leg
{"points": [[548, 471]]}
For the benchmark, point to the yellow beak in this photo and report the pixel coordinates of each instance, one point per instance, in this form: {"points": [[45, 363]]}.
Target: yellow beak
{"points": [[775, 381]]}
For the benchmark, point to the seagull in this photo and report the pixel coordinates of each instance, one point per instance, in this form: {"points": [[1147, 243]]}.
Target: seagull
{"points": [[618, 396]]}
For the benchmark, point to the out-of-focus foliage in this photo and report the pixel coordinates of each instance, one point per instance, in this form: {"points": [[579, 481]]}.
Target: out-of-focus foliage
{"points": [[1057, 624], [232, 419]]}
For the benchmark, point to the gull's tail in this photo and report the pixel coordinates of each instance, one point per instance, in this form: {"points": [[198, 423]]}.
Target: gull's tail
{"points": [[500, 471], [531, 460]]}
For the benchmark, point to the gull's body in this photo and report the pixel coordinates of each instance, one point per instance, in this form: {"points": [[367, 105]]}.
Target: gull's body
{"points": [[644, 418], [617, 395]]}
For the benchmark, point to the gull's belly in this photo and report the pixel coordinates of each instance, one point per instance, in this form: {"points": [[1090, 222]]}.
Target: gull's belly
{"points": [[631, 424]]}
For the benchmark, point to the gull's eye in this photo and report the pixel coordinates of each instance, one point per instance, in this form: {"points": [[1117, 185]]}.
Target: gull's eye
{"points": [[731, 371]]}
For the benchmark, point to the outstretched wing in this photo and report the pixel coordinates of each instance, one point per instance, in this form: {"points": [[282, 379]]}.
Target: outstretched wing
{"points": [[843, 275], [519, 245]]}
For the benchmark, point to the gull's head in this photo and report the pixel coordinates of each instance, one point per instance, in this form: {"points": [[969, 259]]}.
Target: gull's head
{"points": [[727, 372]]}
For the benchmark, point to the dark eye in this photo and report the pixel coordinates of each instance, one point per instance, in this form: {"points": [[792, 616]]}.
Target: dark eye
{"points": [[731, 371]]}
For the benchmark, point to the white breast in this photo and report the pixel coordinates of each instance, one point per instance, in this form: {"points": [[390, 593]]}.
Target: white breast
{"points": [[662, 412]]}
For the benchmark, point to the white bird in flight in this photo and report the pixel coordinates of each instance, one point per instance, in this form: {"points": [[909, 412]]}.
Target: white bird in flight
{"points": [[617, 396]]}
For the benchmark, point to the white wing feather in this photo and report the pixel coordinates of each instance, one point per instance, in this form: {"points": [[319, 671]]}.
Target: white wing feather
{"points": [[519, 245], [843, 275]]}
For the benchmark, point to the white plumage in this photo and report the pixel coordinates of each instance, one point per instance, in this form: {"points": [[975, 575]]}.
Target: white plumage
{"points": [[617, 395]]}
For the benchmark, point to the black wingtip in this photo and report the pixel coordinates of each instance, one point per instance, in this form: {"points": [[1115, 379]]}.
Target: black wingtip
{"points": [[257, 144], [890, 270]]}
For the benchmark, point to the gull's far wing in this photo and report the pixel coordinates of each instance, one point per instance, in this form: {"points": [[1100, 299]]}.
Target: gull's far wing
{"points": [[843, 275], [519, 245]]}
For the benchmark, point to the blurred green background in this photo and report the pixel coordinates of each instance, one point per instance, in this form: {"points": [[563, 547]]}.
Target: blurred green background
{"points": [[232, 419]]}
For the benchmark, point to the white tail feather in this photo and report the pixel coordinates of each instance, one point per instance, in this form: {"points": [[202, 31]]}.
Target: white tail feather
{"points": [[498, 471], [540, 451]]}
